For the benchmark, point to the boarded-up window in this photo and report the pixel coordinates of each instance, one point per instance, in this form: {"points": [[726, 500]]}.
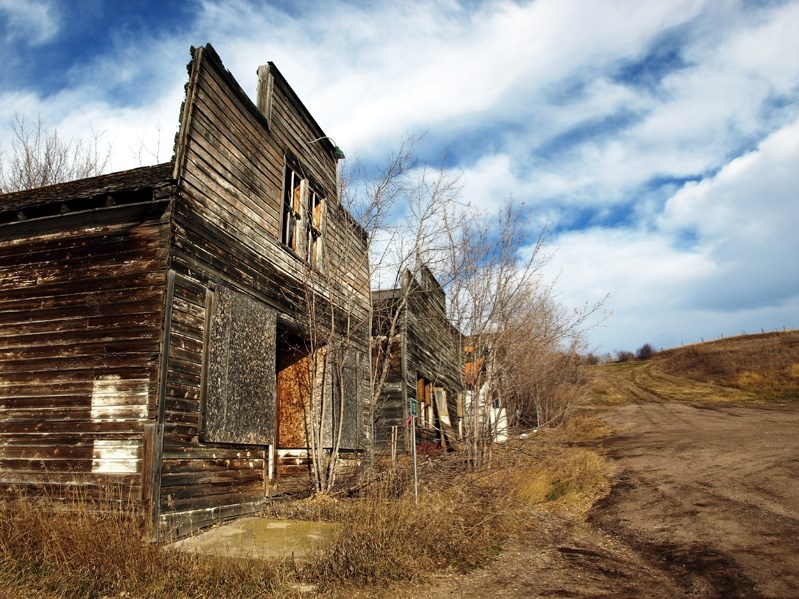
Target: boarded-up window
{"points": [[240, 384], [345, 394], [294, 363]]}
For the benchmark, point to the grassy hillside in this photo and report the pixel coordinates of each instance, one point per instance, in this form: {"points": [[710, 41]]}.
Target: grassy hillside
{"points": [[751, 368]]}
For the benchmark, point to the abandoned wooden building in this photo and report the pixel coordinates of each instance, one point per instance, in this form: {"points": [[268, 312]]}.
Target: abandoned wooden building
{"points": [[156, 324], [424, 369]]}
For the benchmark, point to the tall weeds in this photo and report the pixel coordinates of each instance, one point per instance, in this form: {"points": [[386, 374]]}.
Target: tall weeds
{"points": [[94, 548], [462, 519], [386, 539]]}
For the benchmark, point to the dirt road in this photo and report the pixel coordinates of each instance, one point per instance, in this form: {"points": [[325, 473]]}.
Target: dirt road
{"points": [[709, 493], [705, 504]]}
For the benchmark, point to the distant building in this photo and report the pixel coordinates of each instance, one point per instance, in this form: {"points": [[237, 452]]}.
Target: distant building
{"points": [[483, 412], [424, 368]]}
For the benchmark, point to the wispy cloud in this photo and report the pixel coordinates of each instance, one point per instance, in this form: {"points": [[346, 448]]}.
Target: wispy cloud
{"points": [[28, 22], [658, 139]]}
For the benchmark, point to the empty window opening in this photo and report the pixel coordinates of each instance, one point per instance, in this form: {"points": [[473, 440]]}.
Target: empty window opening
{"points": [[303, 218]]}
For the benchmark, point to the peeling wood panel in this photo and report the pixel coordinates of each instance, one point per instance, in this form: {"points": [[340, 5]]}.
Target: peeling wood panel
{"points": [[240, 398], [78, 353], [194, 476]]}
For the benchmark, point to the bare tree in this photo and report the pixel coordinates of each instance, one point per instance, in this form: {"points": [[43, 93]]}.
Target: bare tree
{"points": [[336, 329], [402, 211], [331, 328], [37, 156], [520, 346]]}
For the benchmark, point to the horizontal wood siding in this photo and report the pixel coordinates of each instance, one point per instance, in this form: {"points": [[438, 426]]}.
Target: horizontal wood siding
{"points": [[430, 347], [199, 482], [231, 178], [430, 342], [226, 230], [391, 410], [80, 326]]}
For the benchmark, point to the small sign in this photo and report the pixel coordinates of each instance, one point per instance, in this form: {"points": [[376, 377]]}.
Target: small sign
{"points": [[414, 409]]}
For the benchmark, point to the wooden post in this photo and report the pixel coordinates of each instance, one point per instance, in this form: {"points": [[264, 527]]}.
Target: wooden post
{"points": [[394, 445], [151, 477]]}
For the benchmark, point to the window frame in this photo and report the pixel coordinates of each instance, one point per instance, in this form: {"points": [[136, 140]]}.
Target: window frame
{"points": [[291, 206], [304, 217]]}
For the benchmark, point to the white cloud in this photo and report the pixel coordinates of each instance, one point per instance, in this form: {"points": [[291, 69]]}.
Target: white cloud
{"points": [[745, 216], [528, 98], [31, 22], [738, 273]]}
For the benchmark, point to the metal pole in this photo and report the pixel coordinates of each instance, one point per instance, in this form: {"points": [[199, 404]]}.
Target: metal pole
{"points": [[413, 446]]}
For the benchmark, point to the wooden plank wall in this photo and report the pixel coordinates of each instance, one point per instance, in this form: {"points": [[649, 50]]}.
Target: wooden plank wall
{"points": [[391, 411], [80, 326], [199, 482], [426, 337], [229, 169], [431, 346]]}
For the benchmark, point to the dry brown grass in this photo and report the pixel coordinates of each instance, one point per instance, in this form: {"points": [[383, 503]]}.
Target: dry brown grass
{"points": [[462, 519], [93, 548], [751, 368], [765, 365]]}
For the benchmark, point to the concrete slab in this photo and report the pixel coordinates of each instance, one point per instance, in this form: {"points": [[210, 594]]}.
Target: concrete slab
{"points": [[261, 538]]}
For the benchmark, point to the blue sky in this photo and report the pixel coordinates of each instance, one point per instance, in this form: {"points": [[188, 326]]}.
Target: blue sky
{"points": [[659, 139]]}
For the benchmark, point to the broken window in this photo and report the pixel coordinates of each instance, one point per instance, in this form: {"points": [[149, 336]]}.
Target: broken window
{"points": [[303, 218], [292, 209], [239, 387], [316, 209], [424, 393]]}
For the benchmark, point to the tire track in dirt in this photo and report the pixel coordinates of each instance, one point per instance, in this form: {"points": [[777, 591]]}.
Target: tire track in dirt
{"points": [[705, 504], [707, 492]]}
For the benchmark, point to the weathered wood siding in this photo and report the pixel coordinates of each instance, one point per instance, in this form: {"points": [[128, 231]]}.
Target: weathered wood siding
{"points": [[391, 410], [199, 482], [425, 347], [80, 326], [431, 348], [229, 168], [107, 314]]}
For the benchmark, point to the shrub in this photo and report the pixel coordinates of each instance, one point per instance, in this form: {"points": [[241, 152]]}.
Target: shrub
{"points": [[645, 352], [623, 355]]}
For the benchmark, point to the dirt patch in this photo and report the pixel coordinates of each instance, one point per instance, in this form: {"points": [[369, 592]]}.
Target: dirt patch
{"points": [[709, 491], [705, 504]]}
